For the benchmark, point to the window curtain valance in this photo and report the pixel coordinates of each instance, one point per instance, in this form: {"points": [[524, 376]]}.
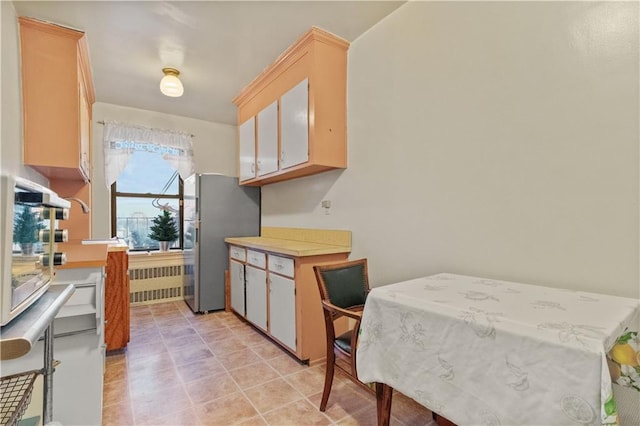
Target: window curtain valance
{"points": [[121, 140]]}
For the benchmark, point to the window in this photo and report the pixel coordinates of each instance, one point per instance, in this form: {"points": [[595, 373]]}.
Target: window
{"points": [[146, 186]]}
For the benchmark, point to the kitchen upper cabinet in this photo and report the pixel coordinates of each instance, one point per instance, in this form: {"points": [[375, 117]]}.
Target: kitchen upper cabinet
{"points": [[309, 83], [268, 140], [295, 125], [247, 136], [57, 94]]}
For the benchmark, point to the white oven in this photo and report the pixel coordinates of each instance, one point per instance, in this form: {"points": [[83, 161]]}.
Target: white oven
{"points": [[29, 217]]}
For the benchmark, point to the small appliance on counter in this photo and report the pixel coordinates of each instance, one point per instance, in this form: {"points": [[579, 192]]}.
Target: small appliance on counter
{"points": [[30, 214]]}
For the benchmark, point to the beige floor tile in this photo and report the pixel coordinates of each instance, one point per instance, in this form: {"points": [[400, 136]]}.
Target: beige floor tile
{"points": [[136, 310], [366, 416], [186, 417], [212, 336], [115, 372], [226, 346], [188, 356], [116, 357], [238, 359], [163, 402], [140, 364], [253, 421], [152, 381], [144, 333], [200, 369], [137, 350], [308, 381], [176, 360], [253, 374], [298, 413], [271, 395], [184, 328], [117, 415], [115, 392], [165, 307], [408, 411], [267, 350], [343, 401], [210, 388], [285, 364], [231, 409]]}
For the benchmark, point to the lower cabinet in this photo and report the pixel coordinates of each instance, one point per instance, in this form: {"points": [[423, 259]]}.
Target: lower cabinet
{"points": [[279, 295], [78, 345], [282, 310], [256, 296], [236, 275], [117, 318]]}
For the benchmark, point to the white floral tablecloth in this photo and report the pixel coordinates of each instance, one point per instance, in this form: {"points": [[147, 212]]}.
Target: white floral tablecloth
{"points": [[488, 352]]}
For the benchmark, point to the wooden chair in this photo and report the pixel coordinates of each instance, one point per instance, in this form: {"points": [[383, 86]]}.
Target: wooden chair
{"points": [[343, 289]]}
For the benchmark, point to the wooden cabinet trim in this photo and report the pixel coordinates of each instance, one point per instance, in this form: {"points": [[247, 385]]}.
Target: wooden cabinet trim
{"points": [[321, 58], [50, 27], [52, 131], [290, 55]]}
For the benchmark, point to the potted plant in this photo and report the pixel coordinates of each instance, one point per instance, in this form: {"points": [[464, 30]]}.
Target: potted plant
{"points": [[25, 230], [164, 230]]}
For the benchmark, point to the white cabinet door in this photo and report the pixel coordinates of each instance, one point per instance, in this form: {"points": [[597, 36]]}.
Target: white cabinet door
{"points": [[256, 296], [268, 140], [294, 116], [236, 270], [248, 149], [282, 299]]}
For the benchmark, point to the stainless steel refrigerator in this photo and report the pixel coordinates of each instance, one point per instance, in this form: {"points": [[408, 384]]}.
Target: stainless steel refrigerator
{"points": [[215, 207]]}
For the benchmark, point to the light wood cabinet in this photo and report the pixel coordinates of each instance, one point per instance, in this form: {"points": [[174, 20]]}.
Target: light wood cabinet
{"points": [[308, 82], [57, 95], [116, 315], [282, 298], [79, 223]]}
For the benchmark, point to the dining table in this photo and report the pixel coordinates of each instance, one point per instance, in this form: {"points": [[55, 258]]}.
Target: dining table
{"points": [[480, 351]]}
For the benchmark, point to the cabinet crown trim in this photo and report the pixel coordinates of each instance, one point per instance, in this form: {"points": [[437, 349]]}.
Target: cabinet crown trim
{"points": [[73, 34], [314, 34], [51, 27]]}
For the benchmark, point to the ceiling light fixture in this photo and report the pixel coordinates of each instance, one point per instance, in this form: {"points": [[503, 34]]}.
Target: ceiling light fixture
{"points": [[170, 85]]}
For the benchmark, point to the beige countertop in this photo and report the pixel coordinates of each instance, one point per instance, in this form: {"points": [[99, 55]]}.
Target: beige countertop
{"points": [[298, 242], [288, 247], [83, 256]]}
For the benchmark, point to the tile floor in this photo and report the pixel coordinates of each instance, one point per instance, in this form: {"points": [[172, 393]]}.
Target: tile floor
{"points": [[214, 369]]}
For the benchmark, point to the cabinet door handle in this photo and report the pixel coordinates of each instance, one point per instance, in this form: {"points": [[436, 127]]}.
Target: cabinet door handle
{"points": [[282, 157], [253, 167]]}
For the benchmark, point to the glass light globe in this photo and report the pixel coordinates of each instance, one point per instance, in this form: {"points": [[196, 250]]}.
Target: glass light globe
{"points": [[170, 85]]}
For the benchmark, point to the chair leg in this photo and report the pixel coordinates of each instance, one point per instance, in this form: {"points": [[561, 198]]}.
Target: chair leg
{"points": [[328, 380]]}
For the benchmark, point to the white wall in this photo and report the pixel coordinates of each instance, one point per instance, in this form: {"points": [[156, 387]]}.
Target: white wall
{"points": [[496, 139], [11, 99], [214, 147]]}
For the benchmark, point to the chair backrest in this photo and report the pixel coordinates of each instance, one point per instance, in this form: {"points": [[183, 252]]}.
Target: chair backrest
{"points": [[344, 284]]}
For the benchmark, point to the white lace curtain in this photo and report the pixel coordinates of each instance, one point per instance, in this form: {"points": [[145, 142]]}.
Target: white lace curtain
{"points": [[121, 140]]}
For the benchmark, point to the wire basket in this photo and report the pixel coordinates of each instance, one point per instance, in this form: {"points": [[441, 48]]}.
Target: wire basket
{"points": [[15, 395]]}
